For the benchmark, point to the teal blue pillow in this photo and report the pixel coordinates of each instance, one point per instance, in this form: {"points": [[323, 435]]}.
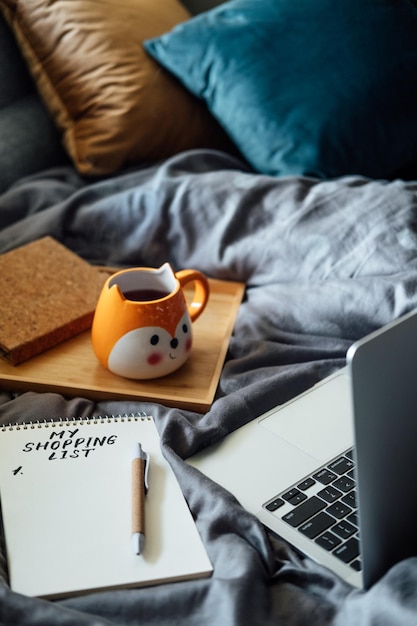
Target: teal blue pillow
{"points": [[305, 87]]}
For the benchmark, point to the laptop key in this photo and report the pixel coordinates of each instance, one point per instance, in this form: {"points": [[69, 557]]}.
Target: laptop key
{"points": [[350, 499], [304, 511], [294, 496], [348, 551], [339, 510], [353, 518], [341, 466], [316, 525], [328, 541], [344, 483], [275, 504], [330, 494], [306, 484], [344, 529], [325, 476], [300, 497]]}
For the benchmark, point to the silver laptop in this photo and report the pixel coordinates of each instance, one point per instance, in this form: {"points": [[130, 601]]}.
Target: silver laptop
{"points": [[338, 458]]}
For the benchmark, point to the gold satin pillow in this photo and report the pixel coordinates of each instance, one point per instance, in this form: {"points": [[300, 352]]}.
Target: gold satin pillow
{"points": [[114, 105]]}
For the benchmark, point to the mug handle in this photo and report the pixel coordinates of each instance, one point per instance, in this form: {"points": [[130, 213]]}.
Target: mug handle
{"points": [[201, 291]]}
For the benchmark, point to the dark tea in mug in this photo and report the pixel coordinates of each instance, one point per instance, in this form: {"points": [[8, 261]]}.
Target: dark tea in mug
{"points": [[145, 295]]}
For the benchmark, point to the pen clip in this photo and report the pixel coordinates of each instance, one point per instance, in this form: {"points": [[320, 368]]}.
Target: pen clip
{"points": [[146, 471]]}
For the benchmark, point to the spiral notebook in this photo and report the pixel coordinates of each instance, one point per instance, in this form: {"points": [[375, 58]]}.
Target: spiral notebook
{"points": [[65, 490]]}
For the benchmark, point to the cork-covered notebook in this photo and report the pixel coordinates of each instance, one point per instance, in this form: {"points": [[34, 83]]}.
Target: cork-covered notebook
{"points": [[49, 294]]}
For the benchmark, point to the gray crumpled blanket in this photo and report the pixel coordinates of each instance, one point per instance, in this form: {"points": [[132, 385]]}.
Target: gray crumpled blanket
{"points": [[325, 262]]}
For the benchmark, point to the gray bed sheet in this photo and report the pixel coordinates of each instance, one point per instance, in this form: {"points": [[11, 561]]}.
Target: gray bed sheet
{"points": [[324, 262]]}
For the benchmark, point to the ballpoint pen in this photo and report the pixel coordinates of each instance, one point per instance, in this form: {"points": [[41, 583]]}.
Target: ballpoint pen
{"points": [[140, 467]]}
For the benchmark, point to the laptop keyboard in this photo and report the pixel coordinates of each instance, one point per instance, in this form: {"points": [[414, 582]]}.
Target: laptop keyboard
{"points": [[323, 507]]}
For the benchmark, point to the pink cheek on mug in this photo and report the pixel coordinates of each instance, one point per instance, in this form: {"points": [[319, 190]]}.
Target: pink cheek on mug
{"points": [[155, 358], [188, 344]]}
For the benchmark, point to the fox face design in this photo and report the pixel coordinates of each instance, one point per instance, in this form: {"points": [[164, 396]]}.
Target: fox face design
{"points": [[151, 351], [142, 325]]}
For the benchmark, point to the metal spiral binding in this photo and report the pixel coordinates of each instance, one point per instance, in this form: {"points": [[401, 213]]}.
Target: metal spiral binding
{"points": [[74, 421]]}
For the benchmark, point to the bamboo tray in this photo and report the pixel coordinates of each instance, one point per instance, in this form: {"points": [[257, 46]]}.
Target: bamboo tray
{"points": [[72, 369]]}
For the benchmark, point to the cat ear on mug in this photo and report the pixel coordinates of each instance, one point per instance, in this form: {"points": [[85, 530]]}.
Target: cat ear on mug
{"points": [[142, 326]]}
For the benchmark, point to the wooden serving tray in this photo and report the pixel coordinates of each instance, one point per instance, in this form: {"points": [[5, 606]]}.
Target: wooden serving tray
{"points": [[72, 368]]}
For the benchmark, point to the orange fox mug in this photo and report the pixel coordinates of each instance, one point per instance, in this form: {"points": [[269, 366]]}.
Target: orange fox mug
{"points": [[142, 326]]}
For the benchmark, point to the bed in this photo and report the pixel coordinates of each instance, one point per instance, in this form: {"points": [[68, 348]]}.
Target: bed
{"points": [[322, 232]]}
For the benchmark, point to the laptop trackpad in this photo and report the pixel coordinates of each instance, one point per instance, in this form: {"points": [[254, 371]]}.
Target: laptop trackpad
{"points": [[319, 422]]}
